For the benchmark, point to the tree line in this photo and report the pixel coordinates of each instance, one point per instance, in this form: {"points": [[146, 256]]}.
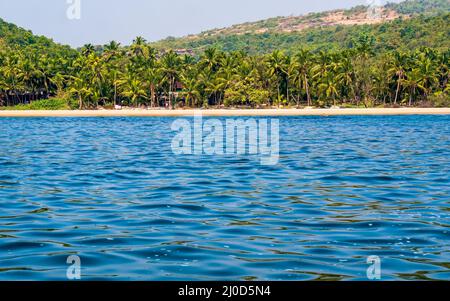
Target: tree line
{"points": [[140, 76]]}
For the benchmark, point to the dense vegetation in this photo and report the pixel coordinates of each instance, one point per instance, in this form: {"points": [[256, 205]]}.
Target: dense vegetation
{"points": [[430, 26], [139, 76], [31, 67], [405, 62], [411, 7], [399, 34], [42, 104]]}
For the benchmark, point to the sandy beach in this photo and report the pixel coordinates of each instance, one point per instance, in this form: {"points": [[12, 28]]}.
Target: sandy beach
{"points": [[224, 112]]}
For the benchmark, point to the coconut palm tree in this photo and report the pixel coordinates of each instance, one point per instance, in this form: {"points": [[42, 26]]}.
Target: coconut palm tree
{"points": [[169, 68], [276, 66], [152, 73], [427, 73], [138, 46], [328, 87], [78, 87], [303, 63], [87, 49], [346, 76], [111, 57], [211, 58], [399, 61], [133, 89], [191, 87]]}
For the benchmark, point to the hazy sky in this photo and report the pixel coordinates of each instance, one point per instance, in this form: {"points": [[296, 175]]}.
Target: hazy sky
{"points": [[121, 20]]}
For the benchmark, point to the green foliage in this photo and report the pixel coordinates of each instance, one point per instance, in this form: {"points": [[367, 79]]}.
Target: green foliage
{"points": [[440, 100], [420, 31], [411, 7], [404, 62], [258, 96], [16, 37], [44, 104]]}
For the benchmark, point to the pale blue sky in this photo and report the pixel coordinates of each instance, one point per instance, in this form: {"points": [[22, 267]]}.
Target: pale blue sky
{"points": [[122, 20]]}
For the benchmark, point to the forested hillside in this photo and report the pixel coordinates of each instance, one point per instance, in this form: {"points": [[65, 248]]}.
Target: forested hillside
{"points": [[408, 24], [31, 67], [14, 36], [432, 31], [412, 7]]}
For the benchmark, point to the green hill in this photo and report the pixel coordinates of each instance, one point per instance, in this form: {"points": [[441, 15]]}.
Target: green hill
{"points": [[420, 6], [408, 24], [12, 35], [13, 38], [400, 57], [31, 67]]}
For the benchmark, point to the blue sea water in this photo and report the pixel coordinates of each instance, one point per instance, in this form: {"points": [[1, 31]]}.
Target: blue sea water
{"points": [[111, 191]]}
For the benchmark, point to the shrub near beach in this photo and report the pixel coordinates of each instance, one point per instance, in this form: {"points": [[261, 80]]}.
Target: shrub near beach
{"points": [[44, 104]]}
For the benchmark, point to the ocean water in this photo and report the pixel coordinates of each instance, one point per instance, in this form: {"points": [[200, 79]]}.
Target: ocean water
{"points": [[111, 191]]}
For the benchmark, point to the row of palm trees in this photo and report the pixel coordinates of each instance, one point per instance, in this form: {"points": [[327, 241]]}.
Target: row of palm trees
{"points": [[138, 75]]}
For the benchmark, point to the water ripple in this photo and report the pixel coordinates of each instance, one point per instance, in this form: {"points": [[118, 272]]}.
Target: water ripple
{"points": [[111, 191]]}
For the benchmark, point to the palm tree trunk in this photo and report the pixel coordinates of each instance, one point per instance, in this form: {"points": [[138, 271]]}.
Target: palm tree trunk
{"points": [[17, 96], [175, 101], [308, 96], [278, 89], [115, 91], [152, 95], [398, 89], [411, 95], [287, 90], [170, 94]]}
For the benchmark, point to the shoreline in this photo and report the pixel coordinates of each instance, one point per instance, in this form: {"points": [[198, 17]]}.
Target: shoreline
{"points": [[226, 112]]}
